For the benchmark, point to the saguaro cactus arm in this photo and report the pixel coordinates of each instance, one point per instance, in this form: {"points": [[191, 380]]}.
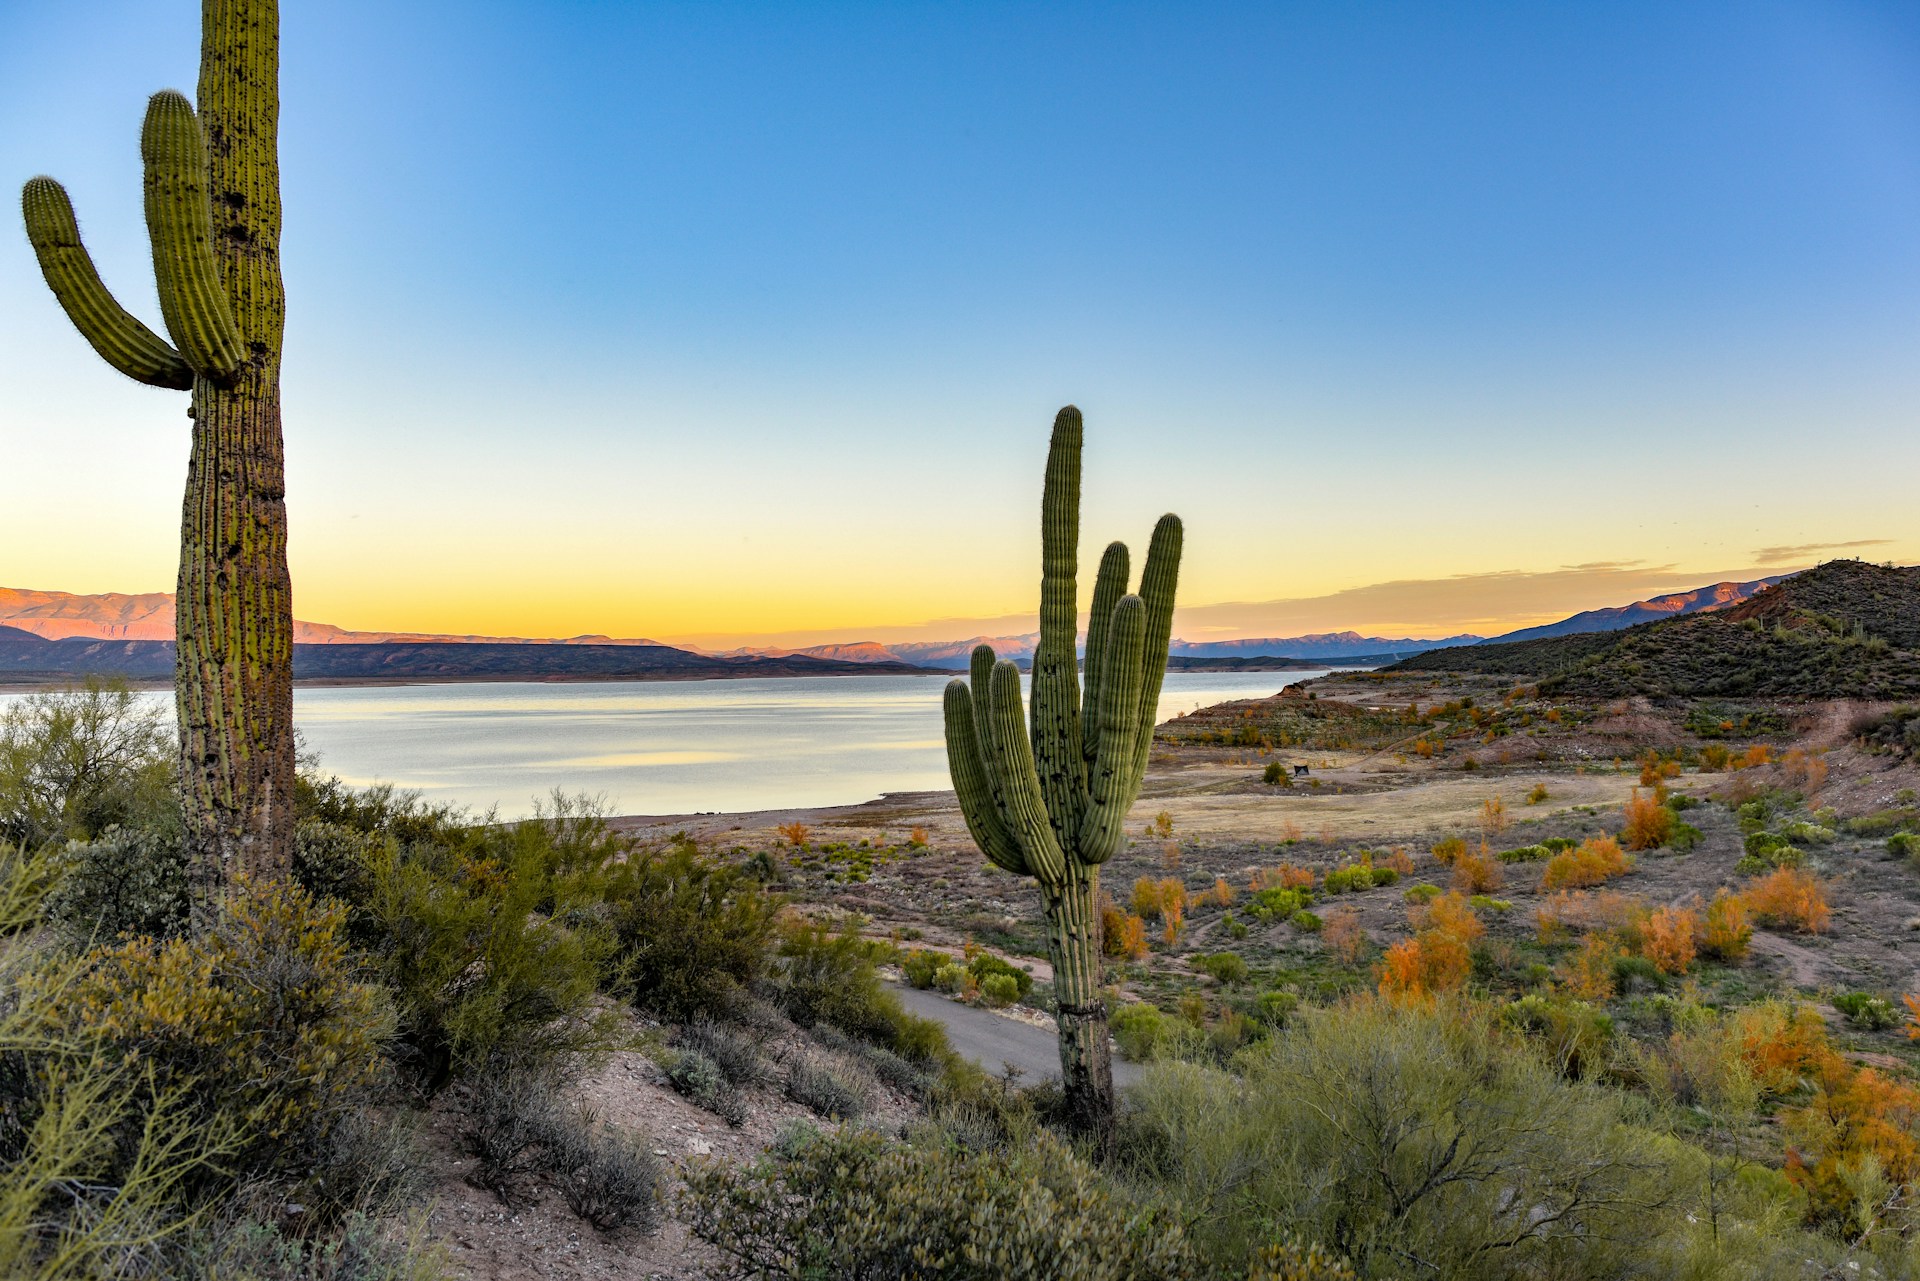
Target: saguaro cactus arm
{"points": [[121, 340], [1108, 587], [1157, 586], [971, 785], [180, 225], [1057, 748], [1109, 798], [1009, 759]]}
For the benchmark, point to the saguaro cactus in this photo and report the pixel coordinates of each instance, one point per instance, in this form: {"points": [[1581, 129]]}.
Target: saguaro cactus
{"points": [[213, 214], [1051, 805]]}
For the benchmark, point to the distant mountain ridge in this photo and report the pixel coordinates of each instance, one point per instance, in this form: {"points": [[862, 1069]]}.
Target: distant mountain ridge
{"points": [[1844, 629], [1674, 605]]}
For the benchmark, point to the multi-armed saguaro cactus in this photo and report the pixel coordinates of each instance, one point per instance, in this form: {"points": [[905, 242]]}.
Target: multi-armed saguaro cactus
{"points": [[1051, 806], [213, 214]]}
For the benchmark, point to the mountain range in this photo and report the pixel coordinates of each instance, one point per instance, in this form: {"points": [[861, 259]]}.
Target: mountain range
{"points": [[46, 631]]}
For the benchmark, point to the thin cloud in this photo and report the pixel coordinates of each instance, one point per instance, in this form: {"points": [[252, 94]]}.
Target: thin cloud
{"points": [[1802, 551]]}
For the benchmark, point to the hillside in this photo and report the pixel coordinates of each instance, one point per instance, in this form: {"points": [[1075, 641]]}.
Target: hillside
{"points": [[1846, 629], [25, 654], [1619, 617]]}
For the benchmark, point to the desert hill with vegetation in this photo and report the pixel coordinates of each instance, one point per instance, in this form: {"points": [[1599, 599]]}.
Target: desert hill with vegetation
{"points": [[1846, 629]]}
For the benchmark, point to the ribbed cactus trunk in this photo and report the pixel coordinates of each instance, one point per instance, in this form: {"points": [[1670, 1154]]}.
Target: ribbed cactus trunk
{"points": [[213, 214], [1051, 805]]}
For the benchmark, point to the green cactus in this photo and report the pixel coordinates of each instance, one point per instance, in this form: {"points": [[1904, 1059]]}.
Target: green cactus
{"points": [[1050, 805], [212, 183]]}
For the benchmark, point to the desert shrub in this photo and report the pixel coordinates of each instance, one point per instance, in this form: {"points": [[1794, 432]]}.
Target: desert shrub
{"points": [[1525, 854], [1537, 794], [920, 965], [336, 861], [1161, 900], [1275, 903], [1788, 898], [985, 966], [1667, 939], [817, 1087], [512, 1115], [1797, 832], [1476, 873], [75, 762], [1307, 921], [1422, 893], [1576, 1037], [608, 1177], [1865, 1010], [125, 883], [1275, 773], [1588, 973], [731, 1049], [1768, 850], [1449, 849], [1394, 1132], [1596, 860], [1904, 845], [1894, 730], [701, 1081], [1357, 876], [262, 1022], [1225, 967], [363, 1249], [1684, 836], [481, 974], [693, 931], [1143, 1032], [1284, 876], [830, 977], [856, 1205], [1343, 936], [1648, 822], [1558, 844], [910, 1079], [1726, 931], [998, 990], [1273, 1008]]}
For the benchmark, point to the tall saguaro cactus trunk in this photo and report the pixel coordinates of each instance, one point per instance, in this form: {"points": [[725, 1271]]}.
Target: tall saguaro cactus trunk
{"points": [[1051, 803], [213, 213]]}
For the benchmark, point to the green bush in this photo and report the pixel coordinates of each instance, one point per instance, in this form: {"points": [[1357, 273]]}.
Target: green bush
{"points": [[1275, 903], [828, 976], [733, 1051], [1526, 854], [1905, 845], [1685, 836], [920, 966], [1143, 1032], [1801, 833], [125, 883], [1307, 921], [692, 931], [997, 990], [1865, 1010], [1275, 773], [1576, 1038], [1357, 876], [1397, 1132], [1275, 1007], [333, 860], [856, 1205], [77, 761], [985, 966], [1227, 968], [484, 968], [1558, 844], [1422, 893]]}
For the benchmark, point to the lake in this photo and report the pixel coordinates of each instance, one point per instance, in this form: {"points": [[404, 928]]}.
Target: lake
{"points": [[664, 747]]}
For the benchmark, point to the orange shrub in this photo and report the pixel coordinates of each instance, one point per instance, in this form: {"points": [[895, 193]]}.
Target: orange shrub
{"points": [[1789, 897], [1343, 936], [1121, 933], [1726, 930], [1450, 849], [1858, 1121], [1579, 911], [1913, 1016], [1667, 939], [1653, 770], [1433, 963], [1448, 914], [1781, 1045], [1477, 873], [1170, 854], [1156, 900], [796, 833], [1400, 861], [1423, 749], [1587, 975], [1714, 758], [917, 838], [1649, 823], [1222, 893], [1596, 860], [1286, 877], [1804, 771], [1756, 755], [1493, 816]]}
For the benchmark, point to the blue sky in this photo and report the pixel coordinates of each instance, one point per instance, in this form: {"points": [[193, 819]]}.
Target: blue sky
{"points": [[723, 320]]}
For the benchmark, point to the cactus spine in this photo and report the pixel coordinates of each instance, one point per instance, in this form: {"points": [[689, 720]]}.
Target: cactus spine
{"points": [[1050, 804], [212, 184]]}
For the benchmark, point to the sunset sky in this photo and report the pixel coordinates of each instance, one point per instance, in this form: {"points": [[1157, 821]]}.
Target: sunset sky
{"points": [[741, 323]]}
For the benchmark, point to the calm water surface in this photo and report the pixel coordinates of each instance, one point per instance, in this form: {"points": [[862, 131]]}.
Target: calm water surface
{"points": [[665, 747]]}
